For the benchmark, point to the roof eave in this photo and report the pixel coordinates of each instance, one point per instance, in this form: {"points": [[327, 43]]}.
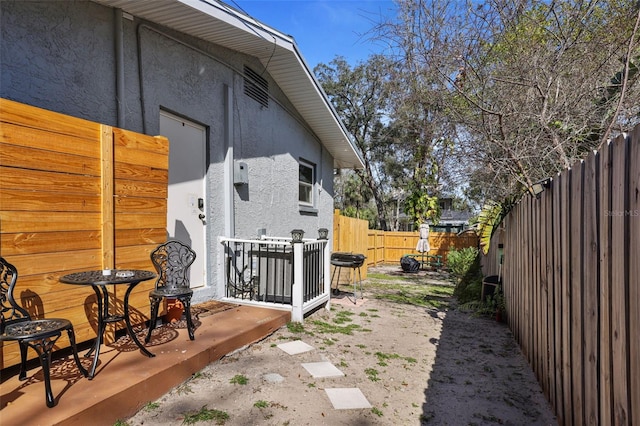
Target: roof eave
{"points": [[218, 23]]}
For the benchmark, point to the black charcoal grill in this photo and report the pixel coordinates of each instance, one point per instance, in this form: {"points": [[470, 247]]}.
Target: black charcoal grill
{"points": [[347, 260]]}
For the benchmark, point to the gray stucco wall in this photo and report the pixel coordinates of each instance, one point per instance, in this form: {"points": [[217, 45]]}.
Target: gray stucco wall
{"points": [[61, 56]]}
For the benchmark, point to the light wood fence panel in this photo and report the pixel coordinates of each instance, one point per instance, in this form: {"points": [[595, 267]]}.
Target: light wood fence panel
{"points": [[350, 235], [353, 235], [76, 195], [397, 244], [375, 249], [571, 268]]}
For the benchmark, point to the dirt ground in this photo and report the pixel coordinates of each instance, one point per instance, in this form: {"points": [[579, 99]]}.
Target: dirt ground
{"points": [[415, 365]]}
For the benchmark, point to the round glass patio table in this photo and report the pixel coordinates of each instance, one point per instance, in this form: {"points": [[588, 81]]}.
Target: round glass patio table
{"points": [[99, 280]]}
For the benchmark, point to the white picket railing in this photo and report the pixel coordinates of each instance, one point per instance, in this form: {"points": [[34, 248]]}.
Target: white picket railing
{"points": [[274, 273]]}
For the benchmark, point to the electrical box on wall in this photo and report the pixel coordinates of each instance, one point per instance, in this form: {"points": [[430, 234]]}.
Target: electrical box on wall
{"points": [[240, 173]]}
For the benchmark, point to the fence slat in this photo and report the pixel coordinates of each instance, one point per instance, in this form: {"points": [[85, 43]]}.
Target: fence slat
{"points": [[576, 288], [545, 278], [526, 269], [558, 403], [591, 254], [619, 307], [634, 277], [606, 415], [566, 300]]}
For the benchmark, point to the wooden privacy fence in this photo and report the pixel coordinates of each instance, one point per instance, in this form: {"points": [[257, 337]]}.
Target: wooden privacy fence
{"points": [[354, 235], [76, 195], [350, 235], [396, 244], [572, 286]]}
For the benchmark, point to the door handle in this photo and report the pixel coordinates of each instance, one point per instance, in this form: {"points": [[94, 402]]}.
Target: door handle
{"points": [[201, 216]]}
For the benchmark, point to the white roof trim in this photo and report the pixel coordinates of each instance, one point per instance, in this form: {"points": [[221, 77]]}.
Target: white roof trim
{"points": [[220, 24]]}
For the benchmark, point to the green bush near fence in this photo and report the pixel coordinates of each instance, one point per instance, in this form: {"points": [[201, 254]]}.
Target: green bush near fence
{"points": [[464, 265], [460, 261]]}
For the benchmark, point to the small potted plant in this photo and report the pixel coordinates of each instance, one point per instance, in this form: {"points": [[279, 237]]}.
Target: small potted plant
{"points": [[175, 309]]}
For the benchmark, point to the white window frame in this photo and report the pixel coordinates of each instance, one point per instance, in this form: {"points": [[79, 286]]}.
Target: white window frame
{"points": [[311, 186]]}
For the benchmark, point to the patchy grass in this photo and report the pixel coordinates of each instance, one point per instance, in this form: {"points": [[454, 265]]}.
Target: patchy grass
{"points": [[372, 374], [324, 327], [150, 406], [261, 404], [411, 290], [378, 276], [204, 415], [295, 327], [184, 389], [239, 379], [200, 375], [343, 317]]}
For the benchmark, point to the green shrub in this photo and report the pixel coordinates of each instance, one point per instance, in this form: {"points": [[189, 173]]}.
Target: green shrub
{"points": [[469, 291], [460, 261], [465, 266]]}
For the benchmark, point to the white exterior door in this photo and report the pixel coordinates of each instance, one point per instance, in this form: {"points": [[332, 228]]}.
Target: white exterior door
{"points": [[186, 201]]}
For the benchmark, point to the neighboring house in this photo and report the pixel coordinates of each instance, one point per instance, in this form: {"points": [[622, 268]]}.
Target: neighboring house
{"points": [[253, 138], [451, 220]]}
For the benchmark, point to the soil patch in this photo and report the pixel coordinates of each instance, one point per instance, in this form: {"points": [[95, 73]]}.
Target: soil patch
{"points": [[415, 357]]}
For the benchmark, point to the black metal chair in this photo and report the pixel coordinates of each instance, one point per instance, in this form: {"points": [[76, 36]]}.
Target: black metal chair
{"points": [[39, 334], [238, 286], [172, 261]]}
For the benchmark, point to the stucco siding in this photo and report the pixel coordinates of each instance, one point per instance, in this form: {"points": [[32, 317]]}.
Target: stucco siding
{"points": [[62, 56], [59, 56]]}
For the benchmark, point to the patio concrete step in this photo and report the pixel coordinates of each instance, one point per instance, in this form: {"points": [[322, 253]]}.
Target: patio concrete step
{"points": [[125, 378]]}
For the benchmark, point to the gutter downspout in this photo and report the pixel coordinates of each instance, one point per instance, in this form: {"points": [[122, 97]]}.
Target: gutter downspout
{"points": [[229, 211], [227, 187], [119, 58]]}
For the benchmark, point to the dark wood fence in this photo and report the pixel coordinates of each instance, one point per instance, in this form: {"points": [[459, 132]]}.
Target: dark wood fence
{"points": [[76, 195], [572, 285]]}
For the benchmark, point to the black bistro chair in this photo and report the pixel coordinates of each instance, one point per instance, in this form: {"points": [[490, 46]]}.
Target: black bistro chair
{"points": [[39, 334], [172, 261]]}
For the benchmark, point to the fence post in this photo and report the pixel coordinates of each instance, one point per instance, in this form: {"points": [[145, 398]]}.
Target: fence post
{"points": [[326, 265], [297, 293]]}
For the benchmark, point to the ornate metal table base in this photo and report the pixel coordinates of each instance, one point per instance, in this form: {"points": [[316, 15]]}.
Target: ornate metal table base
{"points": [[99, 280]]}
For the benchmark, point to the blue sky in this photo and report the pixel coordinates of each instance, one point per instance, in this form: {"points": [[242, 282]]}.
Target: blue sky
{"points": [[323, 28]]}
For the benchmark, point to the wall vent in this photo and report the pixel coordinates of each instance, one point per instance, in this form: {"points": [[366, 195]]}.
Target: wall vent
{"points": [[256, 87]]}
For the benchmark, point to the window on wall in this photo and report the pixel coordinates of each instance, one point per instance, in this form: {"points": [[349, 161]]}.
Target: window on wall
{"points": [[306, 178]]}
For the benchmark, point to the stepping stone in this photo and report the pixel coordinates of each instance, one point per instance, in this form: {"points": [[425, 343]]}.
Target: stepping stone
{"points": [[295, 347], [347, 398], [273, 378], [322, 369]]}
